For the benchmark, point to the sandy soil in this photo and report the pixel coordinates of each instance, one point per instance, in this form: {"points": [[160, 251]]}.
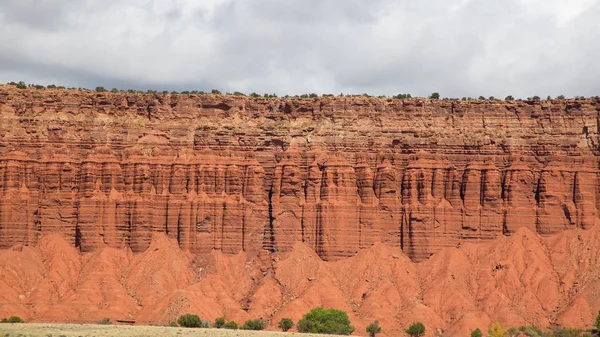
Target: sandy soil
{"points": [[91, 330]]}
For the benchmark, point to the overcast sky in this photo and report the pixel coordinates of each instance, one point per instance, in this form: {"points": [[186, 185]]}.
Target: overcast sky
{"points": [[381, 47]]}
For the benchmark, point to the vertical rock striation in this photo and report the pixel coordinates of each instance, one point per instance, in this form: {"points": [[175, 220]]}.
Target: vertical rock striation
{"points": [[338, 173]]}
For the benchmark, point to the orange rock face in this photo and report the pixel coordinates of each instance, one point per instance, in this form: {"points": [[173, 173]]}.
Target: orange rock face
{"points": [[218, 172]]}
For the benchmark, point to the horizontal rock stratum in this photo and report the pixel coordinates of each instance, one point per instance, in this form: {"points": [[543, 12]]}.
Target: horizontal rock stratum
{"points": [[229, 173]]}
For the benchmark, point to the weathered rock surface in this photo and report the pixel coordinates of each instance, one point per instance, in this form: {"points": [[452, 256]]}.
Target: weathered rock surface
{"points": [[522, 279], [337, 173]]}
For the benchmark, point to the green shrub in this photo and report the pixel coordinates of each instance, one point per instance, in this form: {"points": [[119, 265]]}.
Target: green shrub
{"points": [[13, 319], [373, 329], [416, 329], [231, 325], [481, 98], [313, 95], [597, 323], [560, 96], [328, 321], [21, 85], [219, 323], [190, 321], [173, 325], [566, 332], [536, 98], [285, 324], [402, 96], [100, 89], [476, 333], [255, 324], [255, 95], [509, 98], [215, 91], [435, 95], [105, 321], [237, 93]]}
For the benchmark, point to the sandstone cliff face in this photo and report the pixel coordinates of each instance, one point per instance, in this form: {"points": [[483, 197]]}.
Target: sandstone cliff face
{"points": [[339, 174]]}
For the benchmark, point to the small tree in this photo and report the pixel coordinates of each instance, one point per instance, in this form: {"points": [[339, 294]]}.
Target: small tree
{"points": [[190, 321], [285, 324], [508, 98], [373, 329], [560, 96], [416, 329], [326, 321], [496, 330], [215, 91], [255, 324], [536, 98], [21, 85], [100, 89], [481, 98], [231, 325], [476, 333], [114, 90], [219, 322], [435, 95]]}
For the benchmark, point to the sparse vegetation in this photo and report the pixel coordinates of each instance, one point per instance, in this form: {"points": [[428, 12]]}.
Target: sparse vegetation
{"points": [[476, 333], [560, 97], [496, 330], [597, 323], [231, 325], [255, 324], [402, 96], [373, 329], [416, 329], [285, 324], [219, 322], [327, 321], [173, 325], [105, 321], [190, 321], [13, 319]]}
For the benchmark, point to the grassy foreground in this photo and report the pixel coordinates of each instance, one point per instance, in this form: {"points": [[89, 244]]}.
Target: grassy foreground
{"points": [[92, 330]]}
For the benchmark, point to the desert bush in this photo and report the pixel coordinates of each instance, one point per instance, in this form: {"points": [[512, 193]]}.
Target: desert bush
{"points": [[416, 329], [373, 329], [255, 324], [231, 325], [285, 324], [476, 333], [496, 330], [536, 98], [566, 332], [402, 96], [509, 98], [219, 322], [13, 319], [21, 85], [190, 321], [173, 325], [105, 321], [435, 95], [215, 91], [237, 93], [327, 321], [560, 96], [100, 89]]}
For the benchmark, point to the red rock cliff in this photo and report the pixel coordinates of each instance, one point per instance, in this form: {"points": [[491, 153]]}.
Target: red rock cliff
{"points": [[338, 173]]}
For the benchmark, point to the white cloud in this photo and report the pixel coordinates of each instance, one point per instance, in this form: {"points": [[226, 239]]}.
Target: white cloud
{"points": [[456, 47]]}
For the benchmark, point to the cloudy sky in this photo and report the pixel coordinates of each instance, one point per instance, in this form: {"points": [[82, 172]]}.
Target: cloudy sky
{"points": [[381, 47]]}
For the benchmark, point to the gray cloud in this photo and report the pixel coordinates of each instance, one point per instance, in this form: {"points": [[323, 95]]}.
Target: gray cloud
{"points": [[457, 47]]}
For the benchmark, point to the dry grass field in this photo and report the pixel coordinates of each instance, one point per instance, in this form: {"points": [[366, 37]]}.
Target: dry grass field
{"points": [[91, 330]]}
